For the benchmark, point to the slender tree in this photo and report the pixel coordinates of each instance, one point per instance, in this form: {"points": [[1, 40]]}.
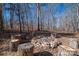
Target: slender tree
{"points": [[38, 15], [19, 16], [1, 19]]}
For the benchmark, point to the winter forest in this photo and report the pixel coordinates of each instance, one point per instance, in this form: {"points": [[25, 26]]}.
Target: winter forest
{"points": [[32, 17], [39, 29]]}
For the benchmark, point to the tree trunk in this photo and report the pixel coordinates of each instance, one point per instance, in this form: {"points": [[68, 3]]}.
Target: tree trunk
{"points": [[1, 20], [14, 45], [11, 16], [18, 10], [38, 13]]}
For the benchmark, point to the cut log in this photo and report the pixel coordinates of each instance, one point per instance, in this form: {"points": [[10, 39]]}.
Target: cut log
{"points": [[66, 51], [25, 49], [14, 44]]}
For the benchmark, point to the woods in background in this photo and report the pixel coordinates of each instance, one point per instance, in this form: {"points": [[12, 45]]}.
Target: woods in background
{"points": [[32, 17]]}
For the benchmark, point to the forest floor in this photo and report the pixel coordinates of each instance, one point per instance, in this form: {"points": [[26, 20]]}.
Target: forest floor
{"points": [[5, 47]]}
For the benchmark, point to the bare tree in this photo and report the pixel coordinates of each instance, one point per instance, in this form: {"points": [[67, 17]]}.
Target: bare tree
{"points": [[38, 15], [1, 19], [19, 16], [12, 8]]}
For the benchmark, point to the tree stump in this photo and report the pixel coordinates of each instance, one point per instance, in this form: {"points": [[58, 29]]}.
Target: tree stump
{"points": [[25, 49], [21, 37], [66, 51], [18, 37], [14, 44]]}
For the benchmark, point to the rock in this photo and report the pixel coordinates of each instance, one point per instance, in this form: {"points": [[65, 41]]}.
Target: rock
{"points": [[55, 43], [69, 41], [25, 49], [73, 43], [45, 43], [77, 50], [52, 36], [66, 51]]}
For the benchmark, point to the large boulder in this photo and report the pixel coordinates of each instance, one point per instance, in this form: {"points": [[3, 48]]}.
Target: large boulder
{"points": [[71, 42], [25, 49], [66, 51], [45, 43]]}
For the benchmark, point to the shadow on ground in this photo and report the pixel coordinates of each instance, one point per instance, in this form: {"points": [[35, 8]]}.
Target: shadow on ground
{"points": [[44, 53]]}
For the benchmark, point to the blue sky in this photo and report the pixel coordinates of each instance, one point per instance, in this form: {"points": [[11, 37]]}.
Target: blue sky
{"points": [[58, 11], [59, 8]]}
